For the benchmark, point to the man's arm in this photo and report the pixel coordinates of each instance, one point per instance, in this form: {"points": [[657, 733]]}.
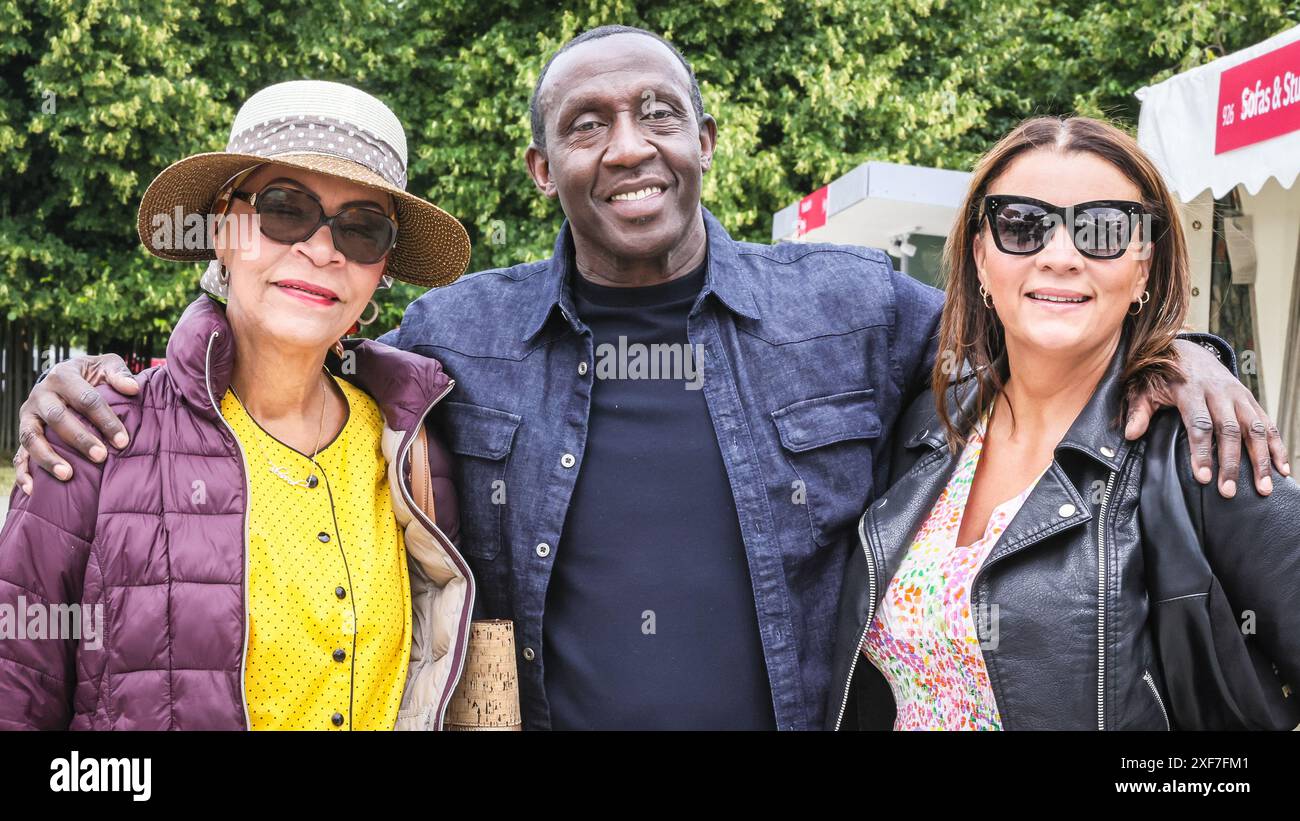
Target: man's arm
{"points": [[71, 385], [1218, 411]]}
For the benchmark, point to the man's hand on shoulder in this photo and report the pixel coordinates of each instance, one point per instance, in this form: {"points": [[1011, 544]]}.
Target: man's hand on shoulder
{"points": [[71, 385], [1215, 405]]}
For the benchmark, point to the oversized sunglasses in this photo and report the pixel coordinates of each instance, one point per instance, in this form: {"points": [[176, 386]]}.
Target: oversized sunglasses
{"points": [[1101, 229], [288, 215]]}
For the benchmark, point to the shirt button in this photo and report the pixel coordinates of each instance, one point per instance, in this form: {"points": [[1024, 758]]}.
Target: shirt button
{"points": [[582, 369], [1066, 510], [1107, 452], [567, 460], [312, 481], [529, 655], [340, 592], [323, 536], [339, 655], [337, 719], [543, 550]]}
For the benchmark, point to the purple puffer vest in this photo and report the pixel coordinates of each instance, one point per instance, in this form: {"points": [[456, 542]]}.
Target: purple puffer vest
{"points": [[153, 541]]}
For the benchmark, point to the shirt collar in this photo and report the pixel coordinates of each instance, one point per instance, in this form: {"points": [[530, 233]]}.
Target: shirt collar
{"points": [[554, 285], [723, 278]]}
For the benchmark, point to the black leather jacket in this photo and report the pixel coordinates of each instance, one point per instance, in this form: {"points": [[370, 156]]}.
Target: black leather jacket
{"points": [[1072, 646]]}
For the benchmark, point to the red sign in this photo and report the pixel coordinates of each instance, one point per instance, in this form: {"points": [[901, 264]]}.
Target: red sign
{"points": [[812, 212], [1259, 99]]}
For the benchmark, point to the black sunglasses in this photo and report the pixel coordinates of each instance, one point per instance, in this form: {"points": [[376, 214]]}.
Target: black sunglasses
{"points": [[288, 215], [1101, 229]]}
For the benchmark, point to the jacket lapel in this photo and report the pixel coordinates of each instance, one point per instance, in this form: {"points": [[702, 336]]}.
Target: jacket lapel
{"points": [[893, 520], [1054, 504]]}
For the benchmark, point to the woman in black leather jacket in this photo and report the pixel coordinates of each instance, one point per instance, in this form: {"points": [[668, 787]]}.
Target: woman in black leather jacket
{"points": [[1027, 557]]}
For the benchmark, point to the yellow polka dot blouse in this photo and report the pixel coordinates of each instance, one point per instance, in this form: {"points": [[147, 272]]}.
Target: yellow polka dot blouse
{"points": [[329, 598]]}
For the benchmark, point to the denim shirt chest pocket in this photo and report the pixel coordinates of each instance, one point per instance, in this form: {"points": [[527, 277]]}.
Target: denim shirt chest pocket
{"points": [[482, 439], [828, 443]]}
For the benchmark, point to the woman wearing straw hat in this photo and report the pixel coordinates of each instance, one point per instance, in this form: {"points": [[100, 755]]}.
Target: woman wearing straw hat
{"points": [[265, 553]]}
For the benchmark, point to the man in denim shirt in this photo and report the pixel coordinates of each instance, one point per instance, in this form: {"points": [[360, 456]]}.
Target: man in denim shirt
{"points": [[670, 550], [810, 352]]}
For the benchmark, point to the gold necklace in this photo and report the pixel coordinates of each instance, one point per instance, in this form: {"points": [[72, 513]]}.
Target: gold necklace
{"points": [[283, 473]]}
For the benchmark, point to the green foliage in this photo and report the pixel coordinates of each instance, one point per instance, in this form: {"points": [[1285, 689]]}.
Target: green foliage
{"points": [[98, 96]]}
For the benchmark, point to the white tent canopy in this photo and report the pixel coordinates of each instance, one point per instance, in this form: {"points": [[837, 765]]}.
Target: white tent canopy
{"points": [[1178, 127], [1234, 124]]}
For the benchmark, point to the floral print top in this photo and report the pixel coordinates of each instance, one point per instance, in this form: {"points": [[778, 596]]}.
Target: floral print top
{"points": [[923, 639]]}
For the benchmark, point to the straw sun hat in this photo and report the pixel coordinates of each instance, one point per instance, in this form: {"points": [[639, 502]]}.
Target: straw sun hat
{"points": [[328, 128]]}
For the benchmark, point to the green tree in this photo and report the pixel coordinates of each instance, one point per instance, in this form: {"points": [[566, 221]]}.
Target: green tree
{"points": [[98, 96]]}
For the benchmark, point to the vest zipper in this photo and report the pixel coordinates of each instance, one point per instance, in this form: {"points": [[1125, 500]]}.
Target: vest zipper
{"points": [[243, 656], [871, 610], [462, 629]]}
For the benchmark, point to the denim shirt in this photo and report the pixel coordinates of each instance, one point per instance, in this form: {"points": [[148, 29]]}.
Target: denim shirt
{"points": [[810, 352]]}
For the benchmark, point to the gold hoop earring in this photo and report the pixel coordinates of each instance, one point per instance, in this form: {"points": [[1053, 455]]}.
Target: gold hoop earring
{"points": [[373, 317], [984, 295], [1143, 300]]}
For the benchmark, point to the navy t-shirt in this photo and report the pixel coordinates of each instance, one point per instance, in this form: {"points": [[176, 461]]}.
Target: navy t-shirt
{"points": [[650, 620]]}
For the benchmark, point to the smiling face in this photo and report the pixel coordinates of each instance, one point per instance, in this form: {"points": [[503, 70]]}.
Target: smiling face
{"points": [[624, 151], [1058, 301], [306, 294]]}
